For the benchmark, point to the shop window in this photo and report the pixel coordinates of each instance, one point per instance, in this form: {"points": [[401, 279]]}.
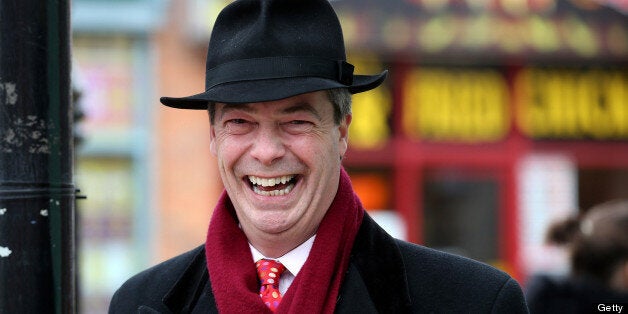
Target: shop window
{"points": [[460, 214]]}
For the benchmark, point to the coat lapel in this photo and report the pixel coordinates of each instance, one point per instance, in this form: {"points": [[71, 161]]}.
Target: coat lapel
{"points": [[354, 296], [376, 273], [191, 293]]}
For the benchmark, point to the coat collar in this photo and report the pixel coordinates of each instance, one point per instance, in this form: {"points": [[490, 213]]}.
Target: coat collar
{"points": [[377, 260], [376, 273], [192, 288]]}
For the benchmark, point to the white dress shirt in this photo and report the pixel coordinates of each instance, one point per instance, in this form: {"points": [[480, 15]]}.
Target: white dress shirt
{"points": [[293, 261]]}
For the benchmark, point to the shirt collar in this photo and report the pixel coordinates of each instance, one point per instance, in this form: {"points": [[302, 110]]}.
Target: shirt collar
{"points": [[293, 260]]}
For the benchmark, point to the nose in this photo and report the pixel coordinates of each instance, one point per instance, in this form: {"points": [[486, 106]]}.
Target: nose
{"points": [[268, 146]]}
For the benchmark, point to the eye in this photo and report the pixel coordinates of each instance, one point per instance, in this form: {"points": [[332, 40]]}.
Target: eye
{"points": [[299, 122], [237, 121], [298, 126], [238, 126]]}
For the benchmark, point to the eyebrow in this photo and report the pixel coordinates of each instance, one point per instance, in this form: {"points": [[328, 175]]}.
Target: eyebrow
{"points": [[246, 107], [300, 107], [230, 107]]}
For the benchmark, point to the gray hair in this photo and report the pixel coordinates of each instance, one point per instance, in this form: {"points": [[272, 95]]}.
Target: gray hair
{"points": [[340, 98]]}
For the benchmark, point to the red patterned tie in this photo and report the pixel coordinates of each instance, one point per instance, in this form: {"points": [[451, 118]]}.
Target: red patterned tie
{"points": [[269, 272]]}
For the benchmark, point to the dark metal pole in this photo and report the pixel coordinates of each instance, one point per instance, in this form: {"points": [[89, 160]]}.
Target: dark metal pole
{"points": [[37, 226]]}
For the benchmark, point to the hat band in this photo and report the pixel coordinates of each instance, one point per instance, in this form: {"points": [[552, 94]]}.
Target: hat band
{"points": [[279, 67]]}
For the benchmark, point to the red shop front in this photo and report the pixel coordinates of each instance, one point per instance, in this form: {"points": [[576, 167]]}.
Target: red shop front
{"points": [[477, 151], [483, 173]]}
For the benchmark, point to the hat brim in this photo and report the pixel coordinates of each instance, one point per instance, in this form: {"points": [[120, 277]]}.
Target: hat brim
{"points": [[269, 90]]}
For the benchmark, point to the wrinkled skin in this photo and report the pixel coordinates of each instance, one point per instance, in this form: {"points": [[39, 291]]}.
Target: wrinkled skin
{"points": [[293, 138]]}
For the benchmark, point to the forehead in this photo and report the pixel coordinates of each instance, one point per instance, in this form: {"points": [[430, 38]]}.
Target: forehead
{"points": [[316, 103]]}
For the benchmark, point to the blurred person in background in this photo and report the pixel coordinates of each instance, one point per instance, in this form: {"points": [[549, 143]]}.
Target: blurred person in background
{"points": [[598, 246], [289, 234]]}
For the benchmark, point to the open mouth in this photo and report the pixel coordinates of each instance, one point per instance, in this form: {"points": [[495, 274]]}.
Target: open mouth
{"points": [[273, 186]]}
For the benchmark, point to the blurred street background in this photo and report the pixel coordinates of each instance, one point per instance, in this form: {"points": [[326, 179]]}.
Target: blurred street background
{"points": [[498, 117]]}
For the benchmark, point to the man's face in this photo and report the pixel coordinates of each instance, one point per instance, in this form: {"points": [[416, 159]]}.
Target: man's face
{"points": [[280, 162]]}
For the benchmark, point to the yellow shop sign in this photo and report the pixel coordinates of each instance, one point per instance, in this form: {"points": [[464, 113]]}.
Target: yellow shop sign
{"points": [[572, 104], [456, 105]]}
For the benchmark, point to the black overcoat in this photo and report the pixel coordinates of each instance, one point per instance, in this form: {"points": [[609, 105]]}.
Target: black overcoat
{"points": [[385, 275]]}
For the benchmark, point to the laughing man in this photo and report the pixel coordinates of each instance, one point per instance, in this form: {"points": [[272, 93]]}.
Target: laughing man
{"points": [[288, 234]]}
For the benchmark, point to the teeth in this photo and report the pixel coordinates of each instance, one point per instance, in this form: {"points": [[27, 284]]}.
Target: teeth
{"points": [[284, 191], [264, 182], [270, 182]]}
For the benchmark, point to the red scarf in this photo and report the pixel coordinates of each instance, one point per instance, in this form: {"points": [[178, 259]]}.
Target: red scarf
{"points": [[315, 289]]}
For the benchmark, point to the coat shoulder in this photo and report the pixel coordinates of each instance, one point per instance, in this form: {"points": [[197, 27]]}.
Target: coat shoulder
{"points": [[462, 284], [149, 287]]}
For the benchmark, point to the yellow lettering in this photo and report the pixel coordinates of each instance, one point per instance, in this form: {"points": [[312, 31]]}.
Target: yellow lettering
{"points": [[369, 127], [564, 105], [601, 126], [616, 91], [524, 101], [410, 116], [573, 104], [448, 105], [490, 105], [461, 91]]}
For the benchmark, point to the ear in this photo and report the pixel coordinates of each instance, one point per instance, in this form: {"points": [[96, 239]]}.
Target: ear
{"points": [[343, 129], [212, 139]]}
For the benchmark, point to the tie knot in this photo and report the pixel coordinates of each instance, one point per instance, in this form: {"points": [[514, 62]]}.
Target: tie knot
{"points": [[269, 271]]}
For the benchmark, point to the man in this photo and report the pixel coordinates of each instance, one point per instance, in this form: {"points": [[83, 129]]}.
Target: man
{"points": [[289, 234]]}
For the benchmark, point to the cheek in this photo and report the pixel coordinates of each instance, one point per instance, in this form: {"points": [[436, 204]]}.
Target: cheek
{"points": [[228, 151], [318, 153], [310, 147]]}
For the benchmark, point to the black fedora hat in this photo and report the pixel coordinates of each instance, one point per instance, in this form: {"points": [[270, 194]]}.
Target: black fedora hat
{"points": [[264, 50]]}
